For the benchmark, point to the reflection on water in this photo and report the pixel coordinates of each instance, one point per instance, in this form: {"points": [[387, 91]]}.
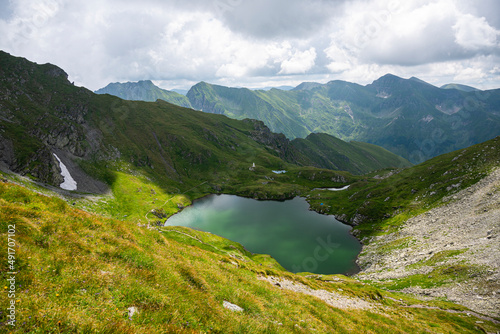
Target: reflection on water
{"points": [[299, 239]]}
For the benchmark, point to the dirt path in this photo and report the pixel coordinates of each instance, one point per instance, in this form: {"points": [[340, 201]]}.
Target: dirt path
{"points": [[331, 298]]}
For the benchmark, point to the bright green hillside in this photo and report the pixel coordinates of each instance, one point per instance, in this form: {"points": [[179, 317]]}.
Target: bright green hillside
{"points": [[79, 272]]}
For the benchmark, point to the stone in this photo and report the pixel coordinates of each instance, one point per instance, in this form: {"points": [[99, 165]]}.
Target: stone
{"points": [[131, 311], [232, 307]]}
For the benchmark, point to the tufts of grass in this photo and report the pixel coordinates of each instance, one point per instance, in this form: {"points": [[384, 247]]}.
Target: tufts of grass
{"points": [[80, 272], [440, 275], [379, 204], [439, 257]]}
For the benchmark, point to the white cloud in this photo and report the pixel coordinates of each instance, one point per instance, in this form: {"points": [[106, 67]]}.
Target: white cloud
{"points": [[474, 33], [99, 41], [299, 62], [407, 36]]}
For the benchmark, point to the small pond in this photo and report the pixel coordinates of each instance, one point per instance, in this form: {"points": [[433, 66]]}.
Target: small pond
{"points": [[299, 239]]}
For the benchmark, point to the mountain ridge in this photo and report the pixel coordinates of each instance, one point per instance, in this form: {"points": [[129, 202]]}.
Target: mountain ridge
{"points": [[435, 120], [172, 144], [104, 264], [144, 90]]}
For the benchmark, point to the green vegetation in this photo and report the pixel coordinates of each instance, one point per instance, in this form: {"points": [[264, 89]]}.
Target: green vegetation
{"points": [[439, 257], [83, 261], [80, 272], [440, 275], [324, 151], [381, 203], [408, 117], [182, 152]]}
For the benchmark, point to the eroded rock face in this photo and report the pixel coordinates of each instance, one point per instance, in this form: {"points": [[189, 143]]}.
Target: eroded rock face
{"points": [[41, 165], [459, 240], [7, 155], [41, 112], [275, 141]]}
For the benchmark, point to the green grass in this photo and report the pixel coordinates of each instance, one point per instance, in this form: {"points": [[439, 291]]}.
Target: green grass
{"points": [[80, 272], [322, 150], [381, 205], [439, 257], [395, 245], [440, 275]]}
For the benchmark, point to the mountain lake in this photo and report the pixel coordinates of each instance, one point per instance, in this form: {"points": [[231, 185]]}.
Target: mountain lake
{"points": [[299, 239]]}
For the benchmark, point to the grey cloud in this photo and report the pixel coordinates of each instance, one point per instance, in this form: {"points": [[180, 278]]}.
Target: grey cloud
{"points": [[130, 31], [433, 43], [280, 18], [5, 9], [121, 40], [489, 9]]}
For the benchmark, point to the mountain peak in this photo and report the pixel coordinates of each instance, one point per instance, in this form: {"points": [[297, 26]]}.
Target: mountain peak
{"points": [[391, 81], [387, 78], [307, 86], [144, 90], [146, 82]]}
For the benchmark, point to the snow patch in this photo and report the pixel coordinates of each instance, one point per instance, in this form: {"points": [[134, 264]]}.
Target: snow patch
{"points": [[384, 95], [427, 118], [338, 189], [333, 189], [69, 183]]}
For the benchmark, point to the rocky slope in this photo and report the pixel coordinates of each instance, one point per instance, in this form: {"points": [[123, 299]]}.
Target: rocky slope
{"points": [[452, 251]]}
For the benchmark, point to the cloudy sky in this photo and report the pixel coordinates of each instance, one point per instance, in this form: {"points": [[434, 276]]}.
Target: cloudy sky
{"points": [[257, 43]]}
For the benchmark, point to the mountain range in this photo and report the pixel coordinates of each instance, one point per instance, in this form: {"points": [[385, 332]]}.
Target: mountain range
{"points": [[43, 113], [98, 258], [408, 117]]}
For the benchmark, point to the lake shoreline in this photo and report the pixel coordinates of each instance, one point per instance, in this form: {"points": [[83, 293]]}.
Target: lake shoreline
{"points": [[351, 269]]}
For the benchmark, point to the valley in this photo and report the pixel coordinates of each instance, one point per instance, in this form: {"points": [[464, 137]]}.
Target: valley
{"points": [[99, 258], [408, 117]]}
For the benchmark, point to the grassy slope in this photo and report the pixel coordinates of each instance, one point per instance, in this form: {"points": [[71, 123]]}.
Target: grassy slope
{"points": [[382, 203], [400, 122], [80, 272], [279, 110], [358, 158], [175, 148]]}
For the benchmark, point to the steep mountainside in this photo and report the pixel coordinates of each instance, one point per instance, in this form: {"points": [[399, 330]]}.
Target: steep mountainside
{"points": [[176, 146], [408, 117], [431, 229], [144, 90], [325, 151]]}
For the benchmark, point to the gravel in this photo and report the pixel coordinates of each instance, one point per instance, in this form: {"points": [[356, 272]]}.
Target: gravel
{"points": [[471, 223]]}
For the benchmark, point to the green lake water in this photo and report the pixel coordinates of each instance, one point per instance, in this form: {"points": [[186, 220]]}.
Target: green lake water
{"points": [[299, 239]]}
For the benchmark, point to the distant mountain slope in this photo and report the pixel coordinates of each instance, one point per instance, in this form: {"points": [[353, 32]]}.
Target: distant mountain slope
{"points": [[325, 151], [144, 91], [97, 136], [459, 87], [408, 117]]}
